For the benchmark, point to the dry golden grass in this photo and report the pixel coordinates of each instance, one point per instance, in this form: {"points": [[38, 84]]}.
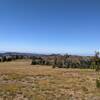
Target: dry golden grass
{"points": [[21, 81]]}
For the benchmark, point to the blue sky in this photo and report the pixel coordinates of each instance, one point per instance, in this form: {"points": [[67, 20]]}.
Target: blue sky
{"points": [[50, 26]]}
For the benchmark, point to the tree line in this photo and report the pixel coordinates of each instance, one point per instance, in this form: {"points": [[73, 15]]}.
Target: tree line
{"points": [[68, 61], [7, 58]]}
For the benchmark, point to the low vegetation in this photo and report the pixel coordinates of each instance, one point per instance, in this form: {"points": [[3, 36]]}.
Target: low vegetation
{"points": [[69, 61], [21, 81], [50, 77]]}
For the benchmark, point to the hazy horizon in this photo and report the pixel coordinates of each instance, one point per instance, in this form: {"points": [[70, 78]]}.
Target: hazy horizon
{"points": [[50, 53], [50, 26]]}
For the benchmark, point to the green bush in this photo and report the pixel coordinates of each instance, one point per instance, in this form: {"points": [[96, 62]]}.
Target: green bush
{"points": [[98, 83], [33, 63]]}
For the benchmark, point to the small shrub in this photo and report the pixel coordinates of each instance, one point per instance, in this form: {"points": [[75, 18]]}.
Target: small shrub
{"points": [[54, 66], [97, 68], [98, 83], [33, 63]]}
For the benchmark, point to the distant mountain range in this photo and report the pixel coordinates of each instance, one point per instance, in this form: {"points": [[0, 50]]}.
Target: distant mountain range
{"points": [[34, 54], [17, 53]]}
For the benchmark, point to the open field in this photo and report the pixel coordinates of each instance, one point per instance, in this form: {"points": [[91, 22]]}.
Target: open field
{"points": [[21, 81]]}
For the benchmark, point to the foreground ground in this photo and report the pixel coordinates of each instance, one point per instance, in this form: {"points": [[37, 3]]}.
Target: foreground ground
{"points": [[21, 81]]}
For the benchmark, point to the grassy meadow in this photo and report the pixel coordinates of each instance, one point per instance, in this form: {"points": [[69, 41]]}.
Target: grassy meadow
{"points": [[19, 80]]}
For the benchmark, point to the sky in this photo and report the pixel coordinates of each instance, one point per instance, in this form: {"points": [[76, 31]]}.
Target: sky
{"points": [[50, 26]]}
